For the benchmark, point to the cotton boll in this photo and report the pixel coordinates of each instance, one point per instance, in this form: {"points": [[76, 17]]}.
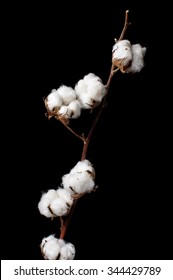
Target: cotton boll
{"points": [[54, 100], [78, 183], [83, 166], [45, 202], [46, 239], [122, 54], [50, 194], [50, 248], [137, 63], [87, 78], [59, 207], [67, 252], [96, 90], [67, 94], [81, 88], [64, 194], [90, 91], [43, 207], [86, 101], [63, 111], [74, 109]]}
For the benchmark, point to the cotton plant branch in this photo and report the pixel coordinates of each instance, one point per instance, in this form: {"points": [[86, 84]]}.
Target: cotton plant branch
{"points": [[51, 114], [64, 104]]}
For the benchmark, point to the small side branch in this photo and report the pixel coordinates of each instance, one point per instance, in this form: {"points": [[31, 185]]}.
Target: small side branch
{"points": [[81, 137], [126, 23]]}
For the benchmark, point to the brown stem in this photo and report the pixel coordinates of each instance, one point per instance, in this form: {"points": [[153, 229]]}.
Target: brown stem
{"points": [[126, 23], [87, 140], [67, 221], [83, 156], [72, 131]]}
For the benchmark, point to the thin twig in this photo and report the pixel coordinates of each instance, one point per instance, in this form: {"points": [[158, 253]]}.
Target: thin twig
{"points": [[54, 114], [81, 137], [126, 23]]}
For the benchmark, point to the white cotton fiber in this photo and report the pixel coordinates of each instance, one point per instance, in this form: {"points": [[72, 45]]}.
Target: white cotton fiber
{"points": [[46, 239], [63, 111], [81, 87], [61, 242], [67, 252], [50, 248], [137, 63], [82, 166], [67, 94], [59, 207], [80, 179], [87, 78], [78, 183], [122, 54], [90, 91], [45, 202], [64, 194], [54, 100], [75, 109]]}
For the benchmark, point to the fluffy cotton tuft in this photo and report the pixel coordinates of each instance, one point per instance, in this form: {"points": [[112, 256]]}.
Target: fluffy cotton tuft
{"points": [[45, 201], [55, 203], [122, 54], [137, 63], [90, 91], [54, 101], [50, 248], [61, 205], [71, 111], [75, 108], [80, 179], [53, 249], [83, 166], [67, 252], [67, 94]]}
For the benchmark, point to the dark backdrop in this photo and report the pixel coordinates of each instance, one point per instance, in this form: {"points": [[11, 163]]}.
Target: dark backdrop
{"points": [[53, 44]]}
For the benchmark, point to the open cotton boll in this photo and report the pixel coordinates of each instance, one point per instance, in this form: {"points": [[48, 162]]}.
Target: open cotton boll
{"points": [[54, 100], [83, 166], [45, 202], [63, 111], [96, 90], [59, 207], [67, 94], [67, 252], [43, 207], [64, 194], [50, 248], [75, 109], [87, 78], [81, 88], [90, 91], [46, 239], [137, 63], [122, 54], [78, 183]]}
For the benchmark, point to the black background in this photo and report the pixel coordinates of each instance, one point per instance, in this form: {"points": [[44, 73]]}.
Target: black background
{"points": [[47, 45]]}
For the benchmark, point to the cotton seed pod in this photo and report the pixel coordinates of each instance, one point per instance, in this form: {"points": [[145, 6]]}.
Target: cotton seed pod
{"points": [[53, 101], [53, 248], [122, 55], [138, 53], [50, 248]]}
